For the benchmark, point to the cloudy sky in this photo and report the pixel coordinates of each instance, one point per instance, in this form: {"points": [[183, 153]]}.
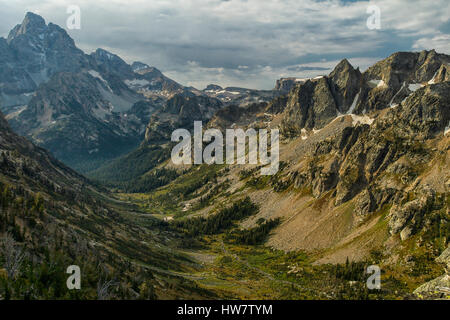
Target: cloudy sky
{"points": [[248, 43]]}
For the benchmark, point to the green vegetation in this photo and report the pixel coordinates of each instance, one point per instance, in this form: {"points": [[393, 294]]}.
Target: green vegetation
{"points": [[253, 236], [39, 239], [199, 181], [206, 200], [218, 222], [128, 172], [150, 181], [256, 181]]}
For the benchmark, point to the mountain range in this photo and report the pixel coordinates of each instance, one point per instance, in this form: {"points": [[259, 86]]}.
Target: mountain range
{"points": [[364, 169], [364, 176], [85, 109]]}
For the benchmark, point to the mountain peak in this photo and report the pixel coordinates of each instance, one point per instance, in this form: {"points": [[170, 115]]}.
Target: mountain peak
{"points": [[33, 18], [342, 70], [346, 84], [32, 23], [344, 65]]}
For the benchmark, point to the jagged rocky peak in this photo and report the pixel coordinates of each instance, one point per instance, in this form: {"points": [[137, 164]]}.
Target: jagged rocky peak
{"points": [[309, 105], [341, 68], [103, 56], [32, 53], [390, 81], [314, 103], [407, 67], [31, 24], [33, 37], [345, 85], [443, 74], [394, 69], [34, 29]]}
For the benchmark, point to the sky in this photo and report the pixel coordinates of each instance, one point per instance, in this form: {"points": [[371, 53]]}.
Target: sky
{"points": [[247, 43]]}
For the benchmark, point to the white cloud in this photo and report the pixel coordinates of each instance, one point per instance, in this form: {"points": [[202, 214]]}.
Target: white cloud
{"points": [[440, 42]]}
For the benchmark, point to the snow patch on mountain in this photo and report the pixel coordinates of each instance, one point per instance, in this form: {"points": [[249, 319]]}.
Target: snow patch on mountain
{"points": [[97, 75], [391, 103], [361, 120], [136, 83], [432, 81], [353, 106], [414, 86], [377, 83], [139, 66]]}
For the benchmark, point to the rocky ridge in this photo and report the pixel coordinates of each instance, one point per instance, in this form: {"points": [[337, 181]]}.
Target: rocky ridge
{"points": [[94, 106]]}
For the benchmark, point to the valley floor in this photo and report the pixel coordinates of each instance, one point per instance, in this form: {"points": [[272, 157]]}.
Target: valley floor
{"points": [[237, 271]]}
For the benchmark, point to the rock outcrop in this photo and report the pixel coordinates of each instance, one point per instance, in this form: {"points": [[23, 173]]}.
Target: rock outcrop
{"points": [[356, 162], [439, 287], [284, 85], [316, 102], [345, 83], [180, 111]]}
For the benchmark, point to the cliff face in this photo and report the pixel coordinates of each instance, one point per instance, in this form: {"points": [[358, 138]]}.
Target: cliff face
{"points": [[361, 155], [310, 105], [347, 91], [345, 83]]}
